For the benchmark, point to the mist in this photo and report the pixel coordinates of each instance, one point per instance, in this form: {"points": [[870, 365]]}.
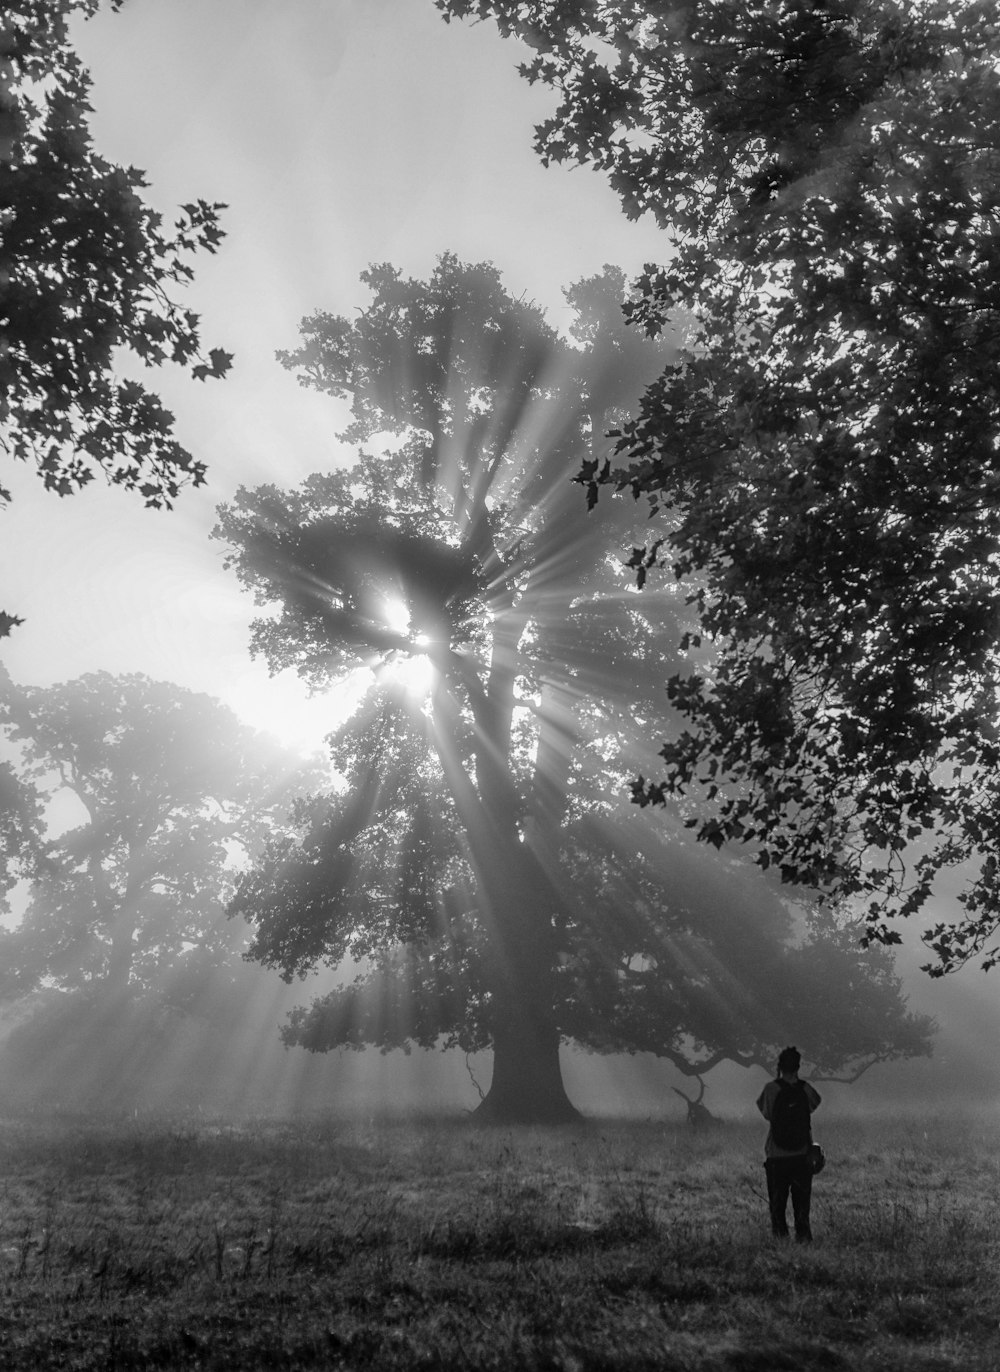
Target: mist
{"points": [[498, 686]]}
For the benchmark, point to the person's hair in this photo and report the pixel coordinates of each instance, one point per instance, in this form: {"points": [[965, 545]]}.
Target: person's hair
{"points": [[789, 1060]]}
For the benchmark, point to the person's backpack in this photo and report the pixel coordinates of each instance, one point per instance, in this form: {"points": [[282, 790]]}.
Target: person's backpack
{"points": [[790, 1129]]}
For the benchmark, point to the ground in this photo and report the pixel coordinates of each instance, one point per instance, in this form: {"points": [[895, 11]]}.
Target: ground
{"points": [[314, 1243]]}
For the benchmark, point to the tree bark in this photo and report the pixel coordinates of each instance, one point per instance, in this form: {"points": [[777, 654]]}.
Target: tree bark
{"points": [[516, 902], [120, 954], [527, 1085], [122, 927], [518, 905]]}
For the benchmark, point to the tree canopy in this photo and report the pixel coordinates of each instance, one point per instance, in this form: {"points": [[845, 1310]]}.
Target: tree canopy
{"points": [[159, 794], [21, 825], [822, 455], [476, 865], [88, 271]]}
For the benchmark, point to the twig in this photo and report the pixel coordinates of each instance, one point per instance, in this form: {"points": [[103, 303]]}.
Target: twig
{"points": [[472, 1076]]}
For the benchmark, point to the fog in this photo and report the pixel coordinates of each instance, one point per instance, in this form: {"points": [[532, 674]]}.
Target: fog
{"points": [[214, 1052]]}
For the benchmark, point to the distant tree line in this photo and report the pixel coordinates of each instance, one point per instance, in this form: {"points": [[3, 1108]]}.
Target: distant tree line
{"points": [[167, 792], [133, 804]]}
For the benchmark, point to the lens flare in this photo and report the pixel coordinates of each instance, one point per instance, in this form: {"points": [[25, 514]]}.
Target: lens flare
{"points": [[409, 668]]}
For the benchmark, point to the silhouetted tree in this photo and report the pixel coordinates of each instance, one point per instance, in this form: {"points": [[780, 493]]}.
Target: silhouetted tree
{"points": [[825, 451], [20, 828], [166, 791], [476, 864], [22, 822], [87, 269]]}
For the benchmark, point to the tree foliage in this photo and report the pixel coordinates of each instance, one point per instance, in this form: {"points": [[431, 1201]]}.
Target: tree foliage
{"points": [[87, 269], [163, 793], [823, 455], [21, 826], [475, 865]]}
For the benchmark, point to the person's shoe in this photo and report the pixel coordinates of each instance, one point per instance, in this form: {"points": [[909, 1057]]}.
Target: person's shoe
{"points": [[804, 1237]]}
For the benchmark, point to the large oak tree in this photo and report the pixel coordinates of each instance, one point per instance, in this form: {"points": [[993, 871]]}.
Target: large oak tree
{"points": [[475, 864], [823, 457]]}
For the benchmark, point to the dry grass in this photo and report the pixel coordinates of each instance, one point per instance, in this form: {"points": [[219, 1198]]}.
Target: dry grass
{"points": [[318, 1244]]}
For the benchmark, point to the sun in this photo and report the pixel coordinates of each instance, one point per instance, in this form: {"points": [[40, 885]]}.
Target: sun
{"points": [[281, 705], [409, 669], [412, 673]]}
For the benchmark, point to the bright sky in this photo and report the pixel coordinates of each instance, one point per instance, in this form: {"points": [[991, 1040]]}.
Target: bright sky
{"points": [[339, 132]]}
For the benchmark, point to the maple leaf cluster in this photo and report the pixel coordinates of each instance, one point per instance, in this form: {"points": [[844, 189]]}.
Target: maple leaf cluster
{"points": [[88, 273], [822, 459]]}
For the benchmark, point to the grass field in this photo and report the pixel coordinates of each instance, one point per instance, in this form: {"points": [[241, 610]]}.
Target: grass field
{"points": [[318, 1244]]}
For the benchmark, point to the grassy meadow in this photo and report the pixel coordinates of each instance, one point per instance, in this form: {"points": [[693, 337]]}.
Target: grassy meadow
{"points": [[322, 1244]]}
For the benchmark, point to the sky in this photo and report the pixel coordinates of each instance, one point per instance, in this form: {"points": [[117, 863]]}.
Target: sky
{"points": [[339, 133]]}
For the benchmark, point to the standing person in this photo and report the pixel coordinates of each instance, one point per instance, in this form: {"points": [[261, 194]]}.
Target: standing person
{"points": [[787, 1104]]}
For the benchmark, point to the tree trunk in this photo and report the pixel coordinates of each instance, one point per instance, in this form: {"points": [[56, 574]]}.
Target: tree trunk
{"points": [[527, 1085], [118, 972], [517, 902], [121, 927]]}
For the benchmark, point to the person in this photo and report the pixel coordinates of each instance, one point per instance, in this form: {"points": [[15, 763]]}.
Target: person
{"points": [[787, 1104]]}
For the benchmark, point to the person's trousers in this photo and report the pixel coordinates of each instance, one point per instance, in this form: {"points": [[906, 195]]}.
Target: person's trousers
{"points": [[790, 1176]]}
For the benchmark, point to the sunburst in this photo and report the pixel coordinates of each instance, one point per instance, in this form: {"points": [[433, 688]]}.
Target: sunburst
{"points": [[409, 668]]}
